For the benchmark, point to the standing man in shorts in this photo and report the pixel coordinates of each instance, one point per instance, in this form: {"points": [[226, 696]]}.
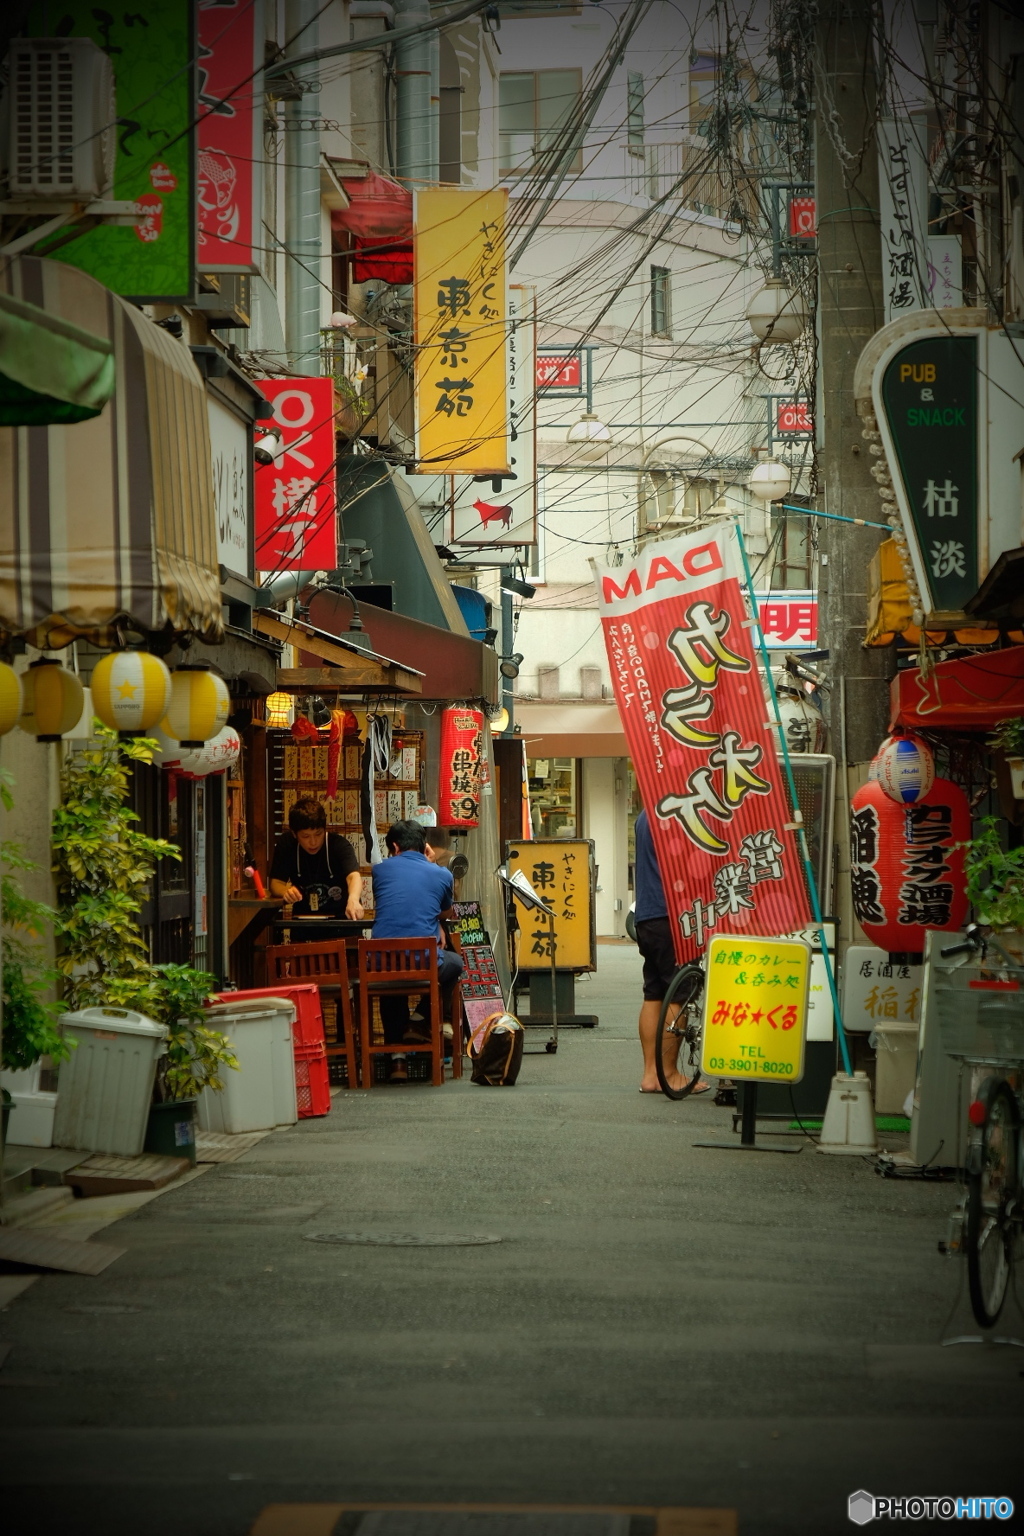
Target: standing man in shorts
{"points": [[654, 940]]}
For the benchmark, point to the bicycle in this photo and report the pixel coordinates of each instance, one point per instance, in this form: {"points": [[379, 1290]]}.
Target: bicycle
{"points": [[991, 1032], [685, 1029]]}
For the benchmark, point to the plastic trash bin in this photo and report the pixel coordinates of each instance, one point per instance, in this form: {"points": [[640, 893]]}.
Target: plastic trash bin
{"points": [[895, 1065], [105, 1086], [261, 1094]]}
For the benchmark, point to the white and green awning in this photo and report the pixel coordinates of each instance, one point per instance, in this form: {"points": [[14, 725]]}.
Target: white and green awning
{"points": [[51, 370]]}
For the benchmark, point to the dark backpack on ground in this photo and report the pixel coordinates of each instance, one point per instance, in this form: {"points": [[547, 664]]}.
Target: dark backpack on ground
{"points": [[499, 1056]]}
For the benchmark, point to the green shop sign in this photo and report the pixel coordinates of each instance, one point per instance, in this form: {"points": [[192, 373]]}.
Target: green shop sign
{"points": [[930, 399], [151, 50]]}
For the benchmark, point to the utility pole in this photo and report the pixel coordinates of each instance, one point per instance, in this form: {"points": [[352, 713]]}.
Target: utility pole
{"points": [[851, 310], [302, 195], [416, 65]]}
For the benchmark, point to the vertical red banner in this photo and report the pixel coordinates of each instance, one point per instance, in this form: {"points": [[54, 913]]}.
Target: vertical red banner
{"points": [[296, 504], [458, 800], [229, 133], [693, 710]]}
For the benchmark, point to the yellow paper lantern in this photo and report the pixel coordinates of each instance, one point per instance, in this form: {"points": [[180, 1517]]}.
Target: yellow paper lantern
{"points": [[279, 711], [199, 707], [11, 703], [52, 701], [131, 691]]}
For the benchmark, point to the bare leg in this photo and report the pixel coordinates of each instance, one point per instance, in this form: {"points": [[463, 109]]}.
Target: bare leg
{"points": [[649, 1014]]}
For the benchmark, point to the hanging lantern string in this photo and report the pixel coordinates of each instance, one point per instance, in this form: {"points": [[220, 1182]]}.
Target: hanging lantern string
{"points": [[828, 517], [812, 884]]}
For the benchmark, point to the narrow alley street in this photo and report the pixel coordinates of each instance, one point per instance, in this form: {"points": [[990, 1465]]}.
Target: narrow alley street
{"points": [[658, 1325]]}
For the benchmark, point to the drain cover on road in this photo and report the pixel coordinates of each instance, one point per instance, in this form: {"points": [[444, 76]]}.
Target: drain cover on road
{"points": [[402, 1239]]}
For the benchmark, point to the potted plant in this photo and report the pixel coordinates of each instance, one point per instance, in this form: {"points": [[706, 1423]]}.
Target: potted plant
{"points": [[1008, 738], [30, 1015], [995, 885], [104, 866]]}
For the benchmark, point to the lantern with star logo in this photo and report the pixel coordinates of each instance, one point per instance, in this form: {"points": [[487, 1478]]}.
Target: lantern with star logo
{"points": [[131, 691]]}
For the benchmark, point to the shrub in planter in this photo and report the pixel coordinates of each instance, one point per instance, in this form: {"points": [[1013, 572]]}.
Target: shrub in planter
{"points": [[29, 1013], [995, 879]]}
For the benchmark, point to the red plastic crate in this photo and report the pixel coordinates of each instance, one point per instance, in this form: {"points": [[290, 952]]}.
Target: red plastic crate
{"points": [[308, 1028], [312, 1085]]}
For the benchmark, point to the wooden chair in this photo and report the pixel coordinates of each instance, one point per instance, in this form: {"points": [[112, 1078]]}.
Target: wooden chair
{"points": [[399, 968], [326, 965]]}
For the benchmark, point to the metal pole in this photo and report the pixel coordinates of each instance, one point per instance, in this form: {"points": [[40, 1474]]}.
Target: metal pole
{"points": [[416, 133], [508, 641], [302, 197]]}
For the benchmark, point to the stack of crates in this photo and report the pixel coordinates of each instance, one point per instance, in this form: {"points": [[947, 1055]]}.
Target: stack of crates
{"points": [[312, 1086]]}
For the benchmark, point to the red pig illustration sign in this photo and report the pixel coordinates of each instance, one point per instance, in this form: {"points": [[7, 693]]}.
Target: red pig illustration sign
{"points": [[693, 710]]}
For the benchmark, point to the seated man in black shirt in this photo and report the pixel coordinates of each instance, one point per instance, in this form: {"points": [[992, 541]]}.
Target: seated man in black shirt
{"points": [[316, 871]]}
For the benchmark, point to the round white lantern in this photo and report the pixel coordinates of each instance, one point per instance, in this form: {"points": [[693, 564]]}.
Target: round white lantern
{"points": [[770, 480], [213, 756], [131, 691], [906, 769], [802, 721], [199, 707], [777, 313]]}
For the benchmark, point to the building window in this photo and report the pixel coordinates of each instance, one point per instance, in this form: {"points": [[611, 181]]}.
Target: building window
{"points": [[661, 301], [635, 113], [534, 108]]}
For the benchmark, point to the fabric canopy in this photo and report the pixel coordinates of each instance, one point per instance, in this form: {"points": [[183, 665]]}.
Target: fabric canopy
{"points": [[890, 612], [971, 693], [379, 219], [110, 519], [50, 369]]}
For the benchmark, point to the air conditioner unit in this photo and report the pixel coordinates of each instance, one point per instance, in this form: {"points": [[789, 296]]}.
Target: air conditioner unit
{"points": [[224, 299], [61, 120]]}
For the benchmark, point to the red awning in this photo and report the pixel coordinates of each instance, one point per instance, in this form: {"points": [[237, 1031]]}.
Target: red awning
{"points": [[453, 666], [972, 693], [379, 220]]}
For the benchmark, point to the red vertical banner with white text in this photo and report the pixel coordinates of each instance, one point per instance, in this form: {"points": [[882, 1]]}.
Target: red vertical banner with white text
{"points": [[296, 504], [462, 761], [693, 711], [229, 134]]}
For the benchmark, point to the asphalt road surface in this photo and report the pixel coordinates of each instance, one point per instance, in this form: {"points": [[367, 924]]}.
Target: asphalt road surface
{"points": [[659, 1325]]}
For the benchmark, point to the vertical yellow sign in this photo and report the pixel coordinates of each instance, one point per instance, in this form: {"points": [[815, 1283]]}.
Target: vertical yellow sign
{"points": [[462, 416], [755, 1008], [561, 872]]}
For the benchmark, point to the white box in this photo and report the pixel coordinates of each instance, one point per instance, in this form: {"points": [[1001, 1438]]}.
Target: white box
{"points": [[261, 1094]]}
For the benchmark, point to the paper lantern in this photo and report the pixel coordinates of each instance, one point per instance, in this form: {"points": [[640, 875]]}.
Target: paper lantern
{"points": [[131, 691], [52, 701], [458, 803], [199, 706], [905, 769], [279, 707], [11, 701], [907, 864], [802, 721], [213, 756]]}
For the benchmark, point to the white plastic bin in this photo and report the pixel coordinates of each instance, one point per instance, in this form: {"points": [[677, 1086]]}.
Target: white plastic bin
{"points": [[31, 1122], [895, 1065], [261, 1094], [105, 1086]]}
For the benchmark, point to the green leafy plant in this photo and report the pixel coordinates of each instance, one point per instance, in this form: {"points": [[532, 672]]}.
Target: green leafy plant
{"points": [[995, 878], [1009, 736], [104, 867], [30, 1028]]}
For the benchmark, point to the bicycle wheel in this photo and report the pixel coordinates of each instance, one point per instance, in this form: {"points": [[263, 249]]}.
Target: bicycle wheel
{"points": [[992, 1195], [678, 1038]]}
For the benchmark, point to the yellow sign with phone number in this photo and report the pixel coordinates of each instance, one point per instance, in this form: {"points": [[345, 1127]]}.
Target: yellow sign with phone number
{"points": [[755, 1008]]}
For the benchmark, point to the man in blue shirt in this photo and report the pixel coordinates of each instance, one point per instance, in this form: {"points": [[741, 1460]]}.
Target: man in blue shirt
{"points": [[409, 895], [654, 940]]}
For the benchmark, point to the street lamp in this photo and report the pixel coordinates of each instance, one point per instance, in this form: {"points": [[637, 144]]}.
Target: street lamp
{"points": [[777, 313], [590, 431], [770, 480]]}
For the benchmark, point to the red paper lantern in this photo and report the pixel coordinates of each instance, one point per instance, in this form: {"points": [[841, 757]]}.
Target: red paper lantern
{"points": [[906, 869], [458, 801]]}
